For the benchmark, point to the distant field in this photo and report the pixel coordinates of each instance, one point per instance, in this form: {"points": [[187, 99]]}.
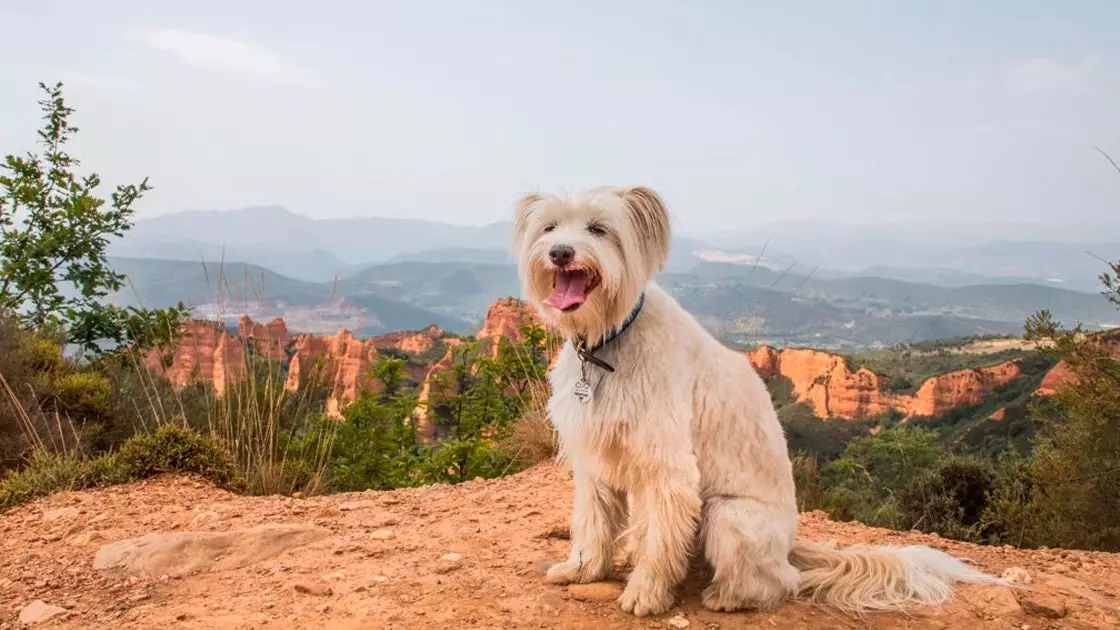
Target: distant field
{"points": [[907, 366]]}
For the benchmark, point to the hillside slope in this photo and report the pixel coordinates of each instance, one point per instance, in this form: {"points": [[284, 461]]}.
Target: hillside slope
{"points": [[433, 557], [235, 288]]}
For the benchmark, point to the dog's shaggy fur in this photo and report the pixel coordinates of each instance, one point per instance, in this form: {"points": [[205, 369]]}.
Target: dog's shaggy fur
{"points": [[680, 445]]}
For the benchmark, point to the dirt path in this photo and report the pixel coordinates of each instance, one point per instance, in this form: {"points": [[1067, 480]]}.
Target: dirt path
{"points": [[436, 557]]}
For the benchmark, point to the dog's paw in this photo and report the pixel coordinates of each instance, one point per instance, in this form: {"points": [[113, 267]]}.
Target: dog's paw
{"points": [[719, 598], [574, 572], [644, 596]]}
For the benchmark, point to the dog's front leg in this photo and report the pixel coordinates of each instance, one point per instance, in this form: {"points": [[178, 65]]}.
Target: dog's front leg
{"points": [[666, 515], [597, 515]]}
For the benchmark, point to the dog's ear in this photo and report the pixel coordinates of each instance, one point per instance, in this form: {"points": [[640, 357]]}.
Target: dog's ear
{"points": [[521, 217], [651, 223]]}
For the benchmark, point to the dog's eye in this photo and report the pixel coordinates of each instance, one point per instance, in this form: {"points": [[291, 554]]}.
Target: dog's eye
{"points": [[550, 227], [597, 229]]}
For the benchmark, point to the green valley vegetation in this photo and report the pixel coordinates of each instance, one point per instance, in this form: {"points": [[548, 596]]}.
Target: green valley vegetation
{"points": [[1044, 473]]}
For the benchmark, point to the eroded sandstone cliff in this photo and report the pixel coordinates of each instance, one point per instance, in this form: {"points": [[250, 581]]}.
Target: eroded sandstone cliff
{"points": [[834, 390], [209, 352]]}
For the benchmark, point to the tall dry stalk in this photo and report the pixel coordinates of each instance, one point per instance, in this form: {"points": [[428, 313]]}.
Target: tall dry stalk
{"points": [[251, 412]]}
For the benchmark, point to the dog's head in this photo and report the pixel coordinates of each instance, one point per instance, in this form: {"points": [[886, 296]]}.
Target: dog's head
{"points": [[584, 259]]}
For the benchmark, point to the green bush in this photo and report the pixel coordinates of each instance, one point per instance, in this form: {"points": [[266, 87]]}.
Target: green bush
{"points": [[807, 433], [175, 449], [169, 450], [781, 390], [83, 396], [44, 474], [29, 364], [864, 482], [807, 479], [1066, 493], [950, 500]]}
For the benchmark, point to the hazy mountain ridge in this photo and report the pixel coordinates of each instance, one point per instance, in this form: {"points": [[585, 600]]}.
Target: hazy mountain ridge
{"points": [[355, 241], [944, 254], [787, 283], [227, 290], [737, 302]]}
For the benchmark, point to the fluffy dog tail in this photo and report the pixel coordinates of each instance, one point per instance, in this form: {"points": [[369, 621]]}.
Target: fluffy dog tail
{"points": [[864, 578]]}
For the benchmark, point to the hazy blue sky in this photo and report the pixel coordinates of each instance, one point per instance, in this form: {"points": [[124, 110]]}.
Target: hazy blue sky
{"points": [[738, 112]]}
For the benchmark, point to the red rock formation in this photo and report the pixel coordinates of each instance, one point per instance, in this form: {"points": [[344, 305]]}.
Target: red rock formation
{"points": [[506, 317], [340, 361], [270, 340], [824, 380], [1058, 377], [411, 342], [833, 390], [424, 425], [504, 320], [1061, 375], [343, 364], [939, 394], [206, 352]]}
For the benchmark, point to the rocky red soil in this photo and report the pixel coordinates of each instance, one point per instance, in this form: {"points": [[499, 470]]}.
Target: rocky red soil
{"points": [[470, 555]]}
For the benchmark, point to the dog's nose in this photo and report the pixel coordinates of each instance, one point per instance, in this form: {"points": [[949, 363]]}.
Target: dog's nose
{"points": [[561, 255]]}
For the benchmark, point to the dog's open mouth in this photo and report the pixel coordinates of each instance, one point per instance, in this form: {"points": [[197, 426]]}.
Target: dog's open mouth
{"points": [[570, 288]]}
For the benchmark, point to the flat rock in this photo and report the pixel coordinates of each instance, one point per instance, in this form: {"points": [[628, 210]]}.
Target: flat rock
{"points": [[680, 622], [182, 553], [998, 601], [61, 514], [38, 611], [350, 506], [448, 562], [1046, 606], [1018, 575], [596, 591], [313, 588]]}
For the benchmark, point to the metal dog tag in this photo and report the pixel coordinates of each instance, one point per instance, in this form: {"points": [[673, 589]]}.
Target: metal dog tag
{"points": [[582, 390]]}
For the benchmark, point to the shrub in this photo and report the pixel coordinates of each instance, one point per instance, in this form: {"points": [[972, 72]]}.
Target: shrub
{"points": [[169, 450], [45, 473], [532, 439], [781, 390], [824, 438], [29, 363], [807, 478], [175, 449], [1066, 493], [863, 483], [83, 397], [951, 499]]}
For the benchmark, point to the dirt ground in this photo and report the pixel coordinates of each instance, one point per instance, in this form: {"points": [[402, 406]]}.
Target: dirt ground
{"points": [[470, 555]]}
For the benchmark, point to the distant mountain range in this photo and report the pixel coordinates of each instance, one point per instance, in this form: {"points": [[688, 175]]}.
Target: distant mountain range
{"points": [[948, 255], [307, 249], [737, 302]]}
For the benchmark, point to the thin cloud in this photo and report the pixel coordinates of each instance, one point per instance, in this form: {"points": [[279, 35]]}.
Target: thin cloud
{"points": [[1047, 74], [225, 53]]}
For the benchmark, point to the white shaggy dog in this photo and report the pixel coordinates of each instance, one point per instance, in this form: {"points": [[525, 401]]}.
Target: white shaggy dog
{"points": [[669, 430]]}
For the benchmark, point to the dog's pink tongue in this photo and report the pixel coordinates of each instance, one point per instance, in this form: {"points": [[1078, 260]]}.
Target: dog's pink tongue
{"points": [[569, 290]]}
